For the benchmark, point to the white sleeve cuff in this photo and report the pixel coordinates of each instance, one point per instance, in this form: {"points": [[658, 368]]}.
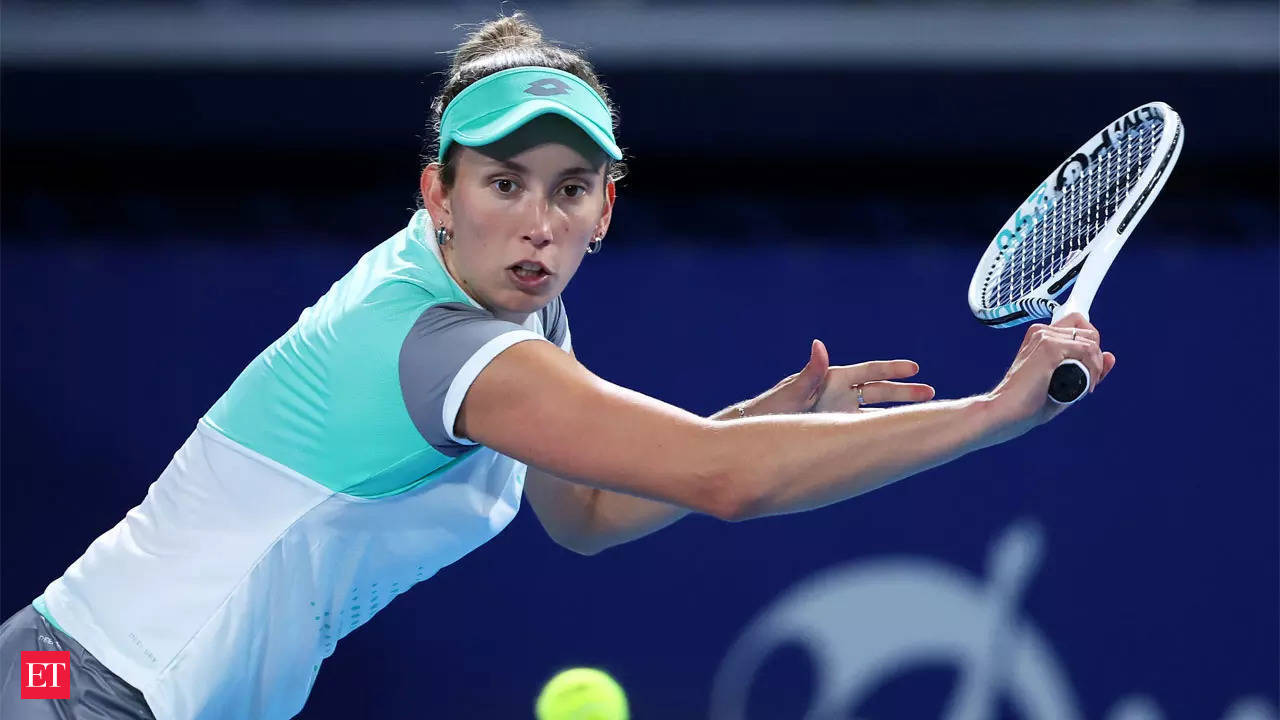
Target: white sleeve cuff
{"points": [[471, 370]]}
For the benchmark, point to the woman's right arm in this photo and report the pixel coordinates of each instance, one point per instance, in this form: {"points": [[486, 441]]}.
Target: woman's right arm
{"points": [[538, 405]]}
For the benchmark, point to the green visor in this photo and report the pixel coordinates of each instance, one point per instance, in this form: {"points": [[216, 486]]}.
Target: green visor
{"points": [[496, 105]]}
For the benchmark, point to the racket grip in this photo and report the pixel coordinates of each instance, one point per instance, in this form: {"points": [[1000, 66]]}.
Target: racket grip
{"points": [[1070, 380]]}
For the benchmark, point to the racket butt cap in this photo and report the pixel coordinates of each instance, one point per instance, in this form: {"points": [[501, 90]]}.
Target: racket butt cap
{"points": [[1070, 381]]}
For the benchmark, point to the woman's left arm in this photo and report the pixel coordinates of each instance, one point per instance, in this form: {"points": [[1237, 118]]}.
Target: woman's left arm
{"points": [[587, 520]]}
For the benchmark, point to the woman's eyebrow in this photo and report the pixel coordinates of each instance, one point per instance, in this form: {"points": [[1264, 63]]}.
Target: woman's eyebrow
{"points": [[517, 167]]}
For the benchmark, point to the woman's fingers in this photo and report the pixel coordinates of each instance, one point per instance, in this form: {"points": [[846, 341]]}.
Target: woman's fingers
{"points": [[1076, 333], [875, 370], [1083, 342], [1074, 320], [882, 391], [1109, 361], [1089, 353], [844, 398], [875, 379], [1082, 348], [1082, 330], [1076, 327]]}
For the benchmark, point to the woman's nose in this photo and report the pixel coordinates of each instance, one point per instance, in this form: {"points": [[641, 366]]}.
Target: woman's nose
{"points": [[539, 231]]}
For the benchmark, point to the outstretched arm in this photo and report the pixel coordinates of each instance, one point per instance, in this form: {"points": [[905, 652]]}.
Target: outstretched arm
{"points": [[588, 519], [538, 405]]}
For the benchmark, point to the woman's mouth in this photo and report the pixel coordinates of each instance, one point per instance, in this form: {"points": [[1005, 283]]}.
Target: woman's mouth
{"points": [[528, 273]]}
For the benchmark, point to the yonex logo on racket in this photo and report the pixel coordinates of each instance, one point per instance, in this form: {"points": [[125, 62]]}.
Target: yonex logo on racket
{"points": [[547, 86], [46, 674]]}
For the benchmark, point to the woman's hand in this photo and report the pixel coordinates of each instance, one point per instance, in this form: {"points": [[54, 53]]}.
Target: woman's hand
{"points": [[1021, 400], [820, 387]]}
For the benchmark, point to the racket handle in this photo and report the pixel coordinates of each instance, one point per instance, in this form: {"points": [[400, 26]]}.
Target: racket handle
{"points": [[1070, 380]]}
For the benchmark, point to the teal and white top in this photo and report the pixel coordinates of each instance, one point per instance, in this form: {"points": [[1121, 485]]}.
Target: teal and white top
{"points": [[324, 483]]}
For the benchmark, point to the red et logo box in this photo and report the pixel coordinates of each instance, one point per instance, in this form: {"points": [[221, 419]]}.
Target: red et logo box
{"points": [[46, 675]]}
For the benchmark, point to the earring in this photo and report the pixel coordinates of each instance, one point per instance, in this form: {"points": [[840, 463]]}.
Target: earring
{"points": [[594, 246], [442, 236]]}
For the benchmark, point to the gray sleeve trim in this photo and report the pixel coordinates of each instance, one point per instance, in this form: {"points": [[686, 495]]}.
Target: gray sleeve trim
{"points": [[441, 356]]}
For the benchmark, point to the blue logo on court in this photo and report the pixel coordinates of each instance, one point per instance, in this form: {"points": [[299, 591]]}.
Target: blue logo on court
{"points": [[548, 86], [913, 612]]}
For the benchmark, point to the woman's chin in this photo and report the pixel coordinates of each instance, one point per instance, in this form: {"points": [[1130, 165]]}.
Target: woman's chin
{"points": [[519, 304]]}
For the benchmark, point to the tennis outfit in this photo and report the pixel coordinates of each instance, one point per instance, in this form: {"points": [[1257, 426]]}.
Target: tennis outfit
{"points": [[324, 483]]}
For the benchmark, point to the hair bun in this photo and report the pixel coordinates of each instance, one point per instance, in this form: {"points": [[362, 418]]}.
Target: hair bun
{"points": [[505, 33]]}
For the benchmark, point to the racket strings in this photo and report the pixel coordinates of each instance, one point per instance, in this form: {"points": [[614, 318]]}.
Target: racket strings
{"points": [[1076, 215]]}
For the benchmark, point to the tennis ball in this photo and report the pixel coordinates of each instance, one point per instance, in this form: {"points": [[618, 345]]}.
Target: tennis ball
{"points": [[582, 694]]}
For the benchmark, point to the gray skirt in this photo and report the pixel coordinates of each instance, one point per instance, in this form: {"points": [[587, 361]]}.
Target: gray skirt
{"points": [[96, 692]]}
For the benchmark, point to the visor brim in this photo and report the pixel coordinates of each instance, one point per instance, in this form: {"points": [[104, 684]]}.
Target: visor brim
{"points": [[493, 128]]}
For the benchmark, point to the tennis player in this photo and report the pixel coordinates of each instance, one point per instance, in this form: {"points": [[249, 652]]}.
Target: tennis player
{"points": [[396, 426]]}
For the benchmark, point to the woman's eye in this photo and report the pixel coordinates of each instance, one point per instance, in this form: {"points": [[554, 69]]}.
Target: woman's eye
{"points": [[577, 190], [504, 186]]}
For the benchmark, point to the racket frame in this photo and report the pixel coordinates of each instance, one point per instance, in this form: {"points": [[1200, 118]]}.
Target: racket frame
{"points": [[1085, 273]]}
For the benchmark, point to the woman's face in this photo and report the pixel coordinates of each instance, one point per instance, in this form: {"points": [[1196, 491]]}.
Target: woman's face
{"points": [[521, 213]]}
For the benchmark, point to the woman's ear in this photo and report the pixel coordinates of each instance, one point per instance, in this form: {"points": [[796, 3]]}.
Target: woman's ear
{"points": [[435, 197], [610, 196]]}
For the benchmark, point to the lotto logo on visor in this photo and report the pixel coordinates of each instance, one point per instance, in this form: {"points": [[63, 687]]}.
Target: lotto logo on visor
{"points": [[547, 86], [46, 675]]}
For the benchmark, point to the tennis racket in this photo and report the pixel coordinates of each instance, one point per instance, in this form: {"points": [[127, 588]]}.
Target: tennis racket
{"points": [[1072, 226]]}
